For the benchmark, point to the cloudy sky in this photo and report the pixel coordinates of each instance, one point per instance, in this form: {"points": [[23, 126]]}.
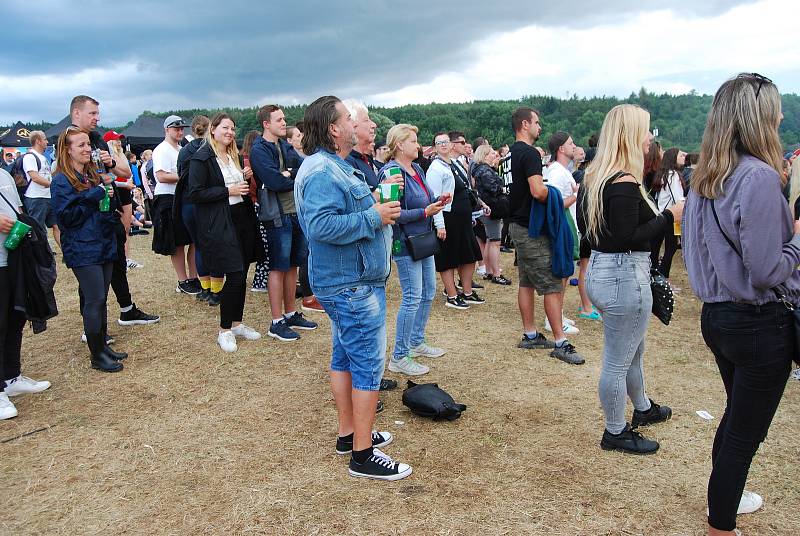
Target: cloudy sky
{"points": [[163, 54]]}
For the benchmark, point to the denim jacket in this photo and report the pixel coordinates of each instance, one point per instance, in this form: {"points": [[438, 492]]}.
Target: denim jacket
{"points": [[347, 243]]}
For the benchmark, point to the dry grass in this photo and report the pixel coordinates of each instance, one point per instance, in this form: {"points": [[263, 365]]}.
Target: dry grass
{"points": [[188, 440]]}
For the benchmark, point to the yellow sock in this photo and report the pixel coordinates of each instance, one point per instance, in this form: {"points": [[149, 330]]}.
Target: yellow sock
{"points": [[216, 285], [205, 283]]}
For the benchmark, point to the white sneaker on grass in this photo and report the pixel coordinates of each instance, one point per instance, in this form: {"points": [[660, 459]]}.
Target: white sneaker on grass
{"points": [[408, 366], [568, 330], [227, 341], [7, 407], [796, 374], [23, 385], [245, 332], [565, 320], [749, 503], [426, 350]]}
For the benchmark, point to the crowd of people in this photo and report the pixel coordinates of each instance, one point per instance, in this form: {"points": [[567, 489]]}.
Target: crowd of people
{"points": [[324, 206]]}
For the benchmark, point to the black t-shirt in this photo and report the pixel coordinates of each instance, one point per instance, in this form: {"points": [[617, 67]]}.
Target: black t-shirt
{"points": [[124, 196], [525, 162]]}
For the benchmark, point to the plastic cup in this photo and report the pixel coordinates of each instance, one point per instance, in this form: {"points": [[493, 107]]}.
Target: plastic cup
{"points": [[390, 192], [16, 234]]}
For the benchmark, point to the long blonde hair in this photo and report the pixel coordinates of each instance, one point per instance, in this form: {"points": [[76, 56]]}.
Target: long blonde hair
{"points": [[620, 148], [744, 117], [232, 150]]}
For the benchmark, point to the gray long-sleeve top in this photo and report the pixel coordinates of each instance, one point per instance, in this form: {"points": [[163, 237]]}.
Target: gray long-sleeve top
{"points": [[755, 216]]}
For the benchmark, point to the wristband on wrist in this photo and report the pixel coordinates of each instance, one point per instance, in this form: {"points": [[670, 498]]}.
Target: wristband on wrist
{"points": [[113, 163]]}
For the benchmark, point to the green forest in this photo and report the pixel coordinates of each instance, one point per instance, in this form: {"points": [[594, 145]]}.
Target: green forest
{"points": [[680, 119]]}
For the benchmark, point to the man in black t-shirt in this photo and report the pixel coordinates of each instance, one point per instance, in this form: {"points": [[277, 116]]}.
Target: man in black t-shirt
{"points": [[85, 113], [534, 255]]}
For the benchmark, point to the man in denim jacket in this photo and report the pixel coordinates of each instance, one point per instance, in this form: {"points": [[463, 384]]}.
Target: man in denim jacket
{"points": [[349, 241]]}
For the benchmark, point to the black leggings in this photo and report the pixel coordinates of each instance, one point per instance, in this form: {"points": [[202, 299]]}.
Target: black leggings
{"points": [[231, 304], [670, 242], [753, 347], [93, 283], [11, 324], [119, 275]]}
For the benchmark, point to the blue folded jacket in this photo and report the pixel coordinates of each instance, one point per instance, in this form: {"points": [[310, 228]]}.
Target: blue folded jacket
{"points": [[548, 219]]}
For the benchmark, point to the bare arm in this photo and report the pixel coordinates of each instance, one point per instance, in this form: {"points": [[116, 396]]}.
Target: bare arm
{"points": [[38, 179], [538, 189], [166, 177]]}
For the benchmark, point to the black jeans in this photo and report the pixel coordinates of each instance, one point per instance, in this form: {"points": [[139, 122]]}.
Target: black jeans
{"points": [[93, 284], [11, 324], [305, 284], [753, 347], [670, 242], [119, 275]]}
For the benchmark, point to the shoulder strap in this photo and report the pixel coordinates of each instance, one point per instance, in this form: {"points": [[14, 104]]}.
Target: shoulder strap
{"points": [[728, 240], [9, 204]]}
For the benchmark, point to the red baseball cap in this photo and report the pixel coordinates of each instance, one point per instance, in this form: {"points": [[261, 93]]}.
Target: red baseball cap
{"points": [[112, 135]]}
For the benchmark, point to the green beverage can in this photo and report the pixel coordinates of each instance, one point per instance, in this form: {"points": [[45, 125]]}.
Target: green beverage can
{"points": [[105, 203], [390, 192], [16, 234], [396, 246]]}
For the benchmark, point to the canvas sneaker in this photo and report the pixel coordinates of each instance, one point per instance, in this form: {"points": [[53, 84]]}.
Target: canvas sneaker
{"points": [[749, 503], [379, 466], [23, 385], [457, 303], [133, 264], [282, 332], [227, 341], [136, 317], [379, 439], [245, 332], [568, 354], [298, 321], [473, 298], [408, 366], [7, 408], [568, 329], [426, 350], [540, 342]]}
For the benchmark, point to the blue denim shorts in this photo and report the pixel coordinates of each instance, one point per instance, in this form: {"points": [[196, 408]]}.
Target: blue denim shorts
{"points": [[286, 244], [358, 330]]}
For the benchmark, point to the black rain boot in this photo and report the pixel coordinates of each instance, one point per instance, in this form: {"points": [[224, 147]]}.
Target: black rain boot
{"points": [[100, 359], [116, 356]]}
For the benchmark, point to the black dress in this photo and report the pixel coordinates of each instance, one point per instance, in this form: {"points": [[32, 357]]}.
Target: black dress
{"points": [[460, 246]]}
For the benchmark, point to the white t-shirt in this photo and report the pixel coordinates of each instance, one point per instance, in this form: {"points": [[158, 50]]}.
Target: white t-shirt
{"points": [[232, 175], [36, 190], [9, 190], [165, 158], [560, 178], [671, 192]]}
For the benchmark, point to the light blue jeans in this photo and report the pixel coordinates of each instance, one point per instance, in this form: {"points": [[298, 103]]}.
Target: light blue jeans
{"points": [[619, 286], [418, 283]]}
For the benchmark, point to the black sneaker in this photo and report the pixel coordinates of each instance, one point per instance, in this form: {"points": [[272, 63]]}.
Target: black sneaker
{"points": [[214, 299], [204, 295], [629, 441], [388, 385], [379, 439], [379, 406], [459, 286], [501, 280], [298, 321], [379, 466], [472, 299], [540, 342], [568, 354], [506, 249], [187, 287], [653, 415], [282, 332], [457, 303], [136, 317]]}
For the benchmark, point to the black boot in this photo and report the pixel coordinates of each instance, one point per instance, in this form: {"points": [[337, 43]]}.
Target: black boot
{"points": [[116, 356], [100, 359]]}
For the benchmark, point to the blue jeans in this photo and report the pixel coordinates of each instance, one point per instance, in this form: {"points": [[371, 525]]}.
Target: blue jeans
{"points": [[418, 283], [619, 286], [287, 244], [358, 330]]}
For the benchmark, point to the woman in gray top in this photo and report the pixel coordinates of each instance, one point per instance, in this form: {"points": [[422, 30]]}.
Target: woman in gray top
{"points": [[742, 250]]}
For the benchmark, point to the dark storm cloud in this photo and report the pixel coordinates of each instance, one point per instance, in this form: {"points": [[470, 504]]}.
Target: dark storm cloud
{"points": [[237, 52]]}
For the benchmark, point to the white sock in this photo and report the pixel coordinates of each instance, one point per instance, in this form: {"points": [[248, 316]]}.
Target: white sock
{"points": [[287, 316], [560, 342], [277, 320], [126, 309]]}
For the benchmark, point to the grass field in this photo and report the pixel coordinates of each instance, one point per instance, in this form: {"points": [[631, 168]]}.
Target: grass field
{"points": [[190, 440]]}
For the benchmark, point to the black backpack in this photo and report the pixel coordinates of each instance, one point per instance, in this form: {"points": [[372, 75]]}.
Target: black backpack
{"points": [[428, 400], [149, 175], [18, 172]]}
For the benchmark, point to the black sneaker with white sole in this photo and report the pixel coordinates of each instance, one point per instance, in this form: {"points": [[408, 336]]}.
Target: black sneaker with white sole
{"points": [[379, 439], [188, 287], [379, 466], [473, 298], [457, 303], [136, 317]]}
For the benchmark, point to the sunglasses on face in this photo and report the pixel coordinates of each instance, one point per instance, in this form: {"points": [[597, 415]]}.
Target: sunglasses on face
{"points": [[460, 142], [443, 142]]}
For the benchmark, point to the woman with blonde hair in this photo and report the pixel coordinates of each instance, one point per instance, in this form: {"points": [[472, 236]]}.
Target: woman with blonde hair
{"points": [[621, 220], [88, 238], [418, 206], [742, 249], [491, 190], [226, 224]]}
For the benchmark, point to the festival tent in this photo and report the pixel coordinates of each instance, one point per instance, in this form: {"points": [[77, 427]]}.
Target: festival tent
{"points": [[16, 136], [145, 133], [53, 132]]}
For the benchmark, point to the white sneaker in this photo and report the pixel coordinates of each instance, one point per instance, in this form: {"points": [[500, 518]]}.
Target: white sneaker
{"points": [[408, 366], [565, 320], [568, 330], [749, 503], [7, 407], [426, 350], [23, 385], [795, 374], [481, 271], [227, 341], [258, 289], [245, 332], [133, 264]]}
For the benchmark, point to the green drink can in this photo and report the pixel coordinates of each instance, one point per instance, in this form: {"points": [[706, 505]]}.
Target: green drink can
{"points": [[16, 234], [105, 203], [389, 192]]}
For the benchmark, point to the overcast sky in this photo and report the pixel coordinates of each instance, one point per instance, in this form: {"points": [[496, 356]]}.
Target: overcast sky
{"points": [[165, 55]]}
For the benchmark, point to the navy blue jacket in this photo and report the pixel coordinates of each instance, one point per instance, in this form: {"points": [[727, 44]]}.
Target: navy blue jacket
{"points": [[87, 235], [356, 160], [550, 218], [266, 167]]}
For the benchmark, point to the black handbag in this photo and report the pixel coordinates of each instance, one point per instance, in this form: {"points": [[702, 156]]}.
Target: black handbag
{"points": [[422, 245], [779, 290], [663, 299]]}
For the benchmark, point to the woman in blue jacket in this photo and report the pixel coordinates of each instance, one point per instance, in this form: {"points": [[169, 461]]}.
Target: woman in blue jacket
{"points": [[88, 241], [417, 278]]}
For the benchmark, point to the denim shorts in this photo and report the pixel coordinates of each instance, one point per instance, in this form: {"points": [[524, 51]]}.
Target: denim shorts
{"points": [[358, 330], [39, 209], [286, 244]]}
